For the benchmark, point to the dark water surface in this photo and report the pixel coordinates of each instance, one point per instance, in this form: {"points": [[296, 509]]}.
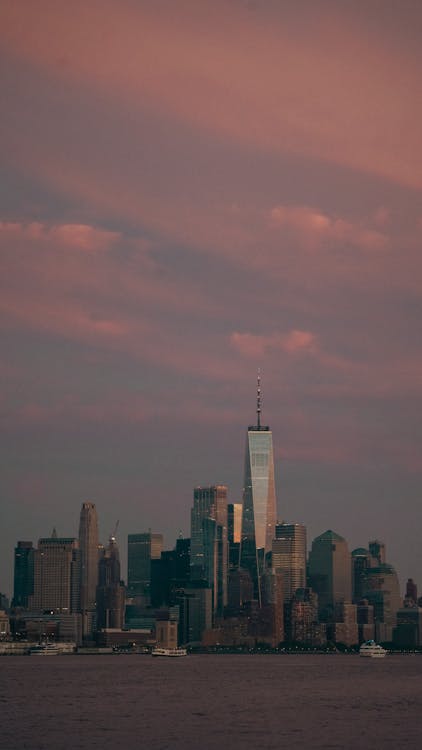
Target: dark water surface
{"points": [[210, 702]]}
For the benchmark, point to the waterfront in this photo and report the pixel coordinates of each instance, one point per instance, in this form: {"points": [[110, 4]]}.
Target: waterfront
{"points": [[210, 702]]}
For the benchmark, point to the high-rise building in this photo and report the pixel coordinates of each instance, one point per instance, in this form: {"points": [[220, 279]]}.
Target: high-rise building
{"points": [[57, 567], [304, 626], [361, 561], [289, 556], [195, 608], [170, 573], [24, 574], [382, 590], [110, 590], [411, 590], [142, 550], [259, 500], [88, 545], [273, 602], [377, 551], [408, 632], [330, 573], [209, 542], [234, 532]]}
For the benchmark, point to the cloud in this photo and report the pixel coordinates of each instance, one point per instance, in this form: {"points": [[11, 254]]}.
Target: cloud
{"points": [[315, 227], [256, 346], [82, 236], [337, 89]]}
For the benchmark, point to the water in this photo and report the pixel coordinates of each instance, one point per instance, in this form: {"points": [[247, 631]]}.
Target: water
{"points": [[210, 702]]}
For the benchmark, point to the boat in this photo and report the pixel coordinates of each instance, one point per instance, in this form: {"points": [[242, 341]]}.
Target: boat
{"points": [[162, 651], [44, 649], [372, 650]]}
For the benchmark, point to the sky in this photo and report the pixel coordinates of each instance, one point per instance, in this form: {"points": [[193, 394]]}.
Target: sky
{"points": [[190, 191]]}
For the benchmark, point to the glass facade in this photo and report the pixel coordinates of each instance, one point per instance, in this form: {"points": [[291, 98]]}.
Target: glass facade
{"points": [[289, 556], [209, 542], [24, 574], [259, 504], [142, 549]]}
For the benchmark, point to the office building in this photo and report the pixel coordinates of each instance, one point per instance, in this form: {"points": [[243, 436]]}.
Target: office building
{"points": [[196, 612], [23, 574], [110, 590], [330, 573], [209, 542], [88, 545], [170, 573], [365, 621], [382, 590], [289, 556], [142, 550], [234, 532], [57, 569], [408, 631], [304, 626], [240, 590], [259, 500], [361, 561], [273, 603]]}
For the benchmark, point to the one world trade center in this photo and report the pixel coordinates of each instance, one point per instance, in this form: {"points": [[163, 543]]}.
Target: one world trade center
{"points": [[259, 501]]}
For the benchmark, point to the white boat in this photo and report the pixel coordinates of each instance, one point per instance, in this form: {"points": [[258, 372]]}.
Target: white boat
{"points": [[372, 650], [162, 651], [44, 649]]}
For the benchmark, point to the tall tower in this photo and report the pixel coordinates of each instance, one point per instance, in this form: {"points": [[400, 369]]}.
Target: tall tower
{"points": [[259, 501], [88, 545], [209, 541], [110, 591], [24, 574], [142, 549]]}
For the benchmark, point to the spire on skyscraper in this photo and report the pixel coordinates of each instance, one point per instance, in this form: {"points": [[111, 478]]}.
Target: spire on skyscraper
{"points": [[259, 501]]}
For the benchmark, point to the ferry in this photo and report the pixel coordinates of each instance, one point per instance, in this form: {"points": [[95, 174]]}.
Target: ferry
{"points": [[44, 649], [162, 651], [372, 650]]}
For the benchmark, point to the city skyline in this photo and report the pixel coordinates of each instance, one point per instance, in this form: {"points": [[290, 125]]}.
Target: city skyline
{"points": [[89, 540], [188, 194]]}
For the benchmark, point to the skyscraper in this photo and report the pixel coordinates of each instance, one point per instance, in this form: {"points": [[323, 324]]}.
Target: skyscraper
{"points": [[56, 575], [24, 574], [361, 561], [382, 589], [110, 590], [330, 573], [209, 542], [259, 501], [234, 532], [142, 549], [289, 556], [88, 545]]}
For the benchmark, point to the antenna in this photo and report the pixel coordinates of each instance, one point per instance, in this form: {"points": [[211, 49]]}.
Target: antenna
{"points": [[113, 534], [258, 400]]}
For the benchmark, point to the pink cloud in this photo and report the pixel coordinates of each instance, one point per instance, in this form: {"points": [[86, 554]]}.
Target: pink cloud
{"points": [[337, 89], [315, 227], [256, 346], [82, 236]]}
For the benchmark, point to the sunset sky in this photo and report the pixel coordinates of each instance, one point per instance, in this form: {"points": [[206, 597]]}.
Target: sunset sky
{"points": [[192, 190]]}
